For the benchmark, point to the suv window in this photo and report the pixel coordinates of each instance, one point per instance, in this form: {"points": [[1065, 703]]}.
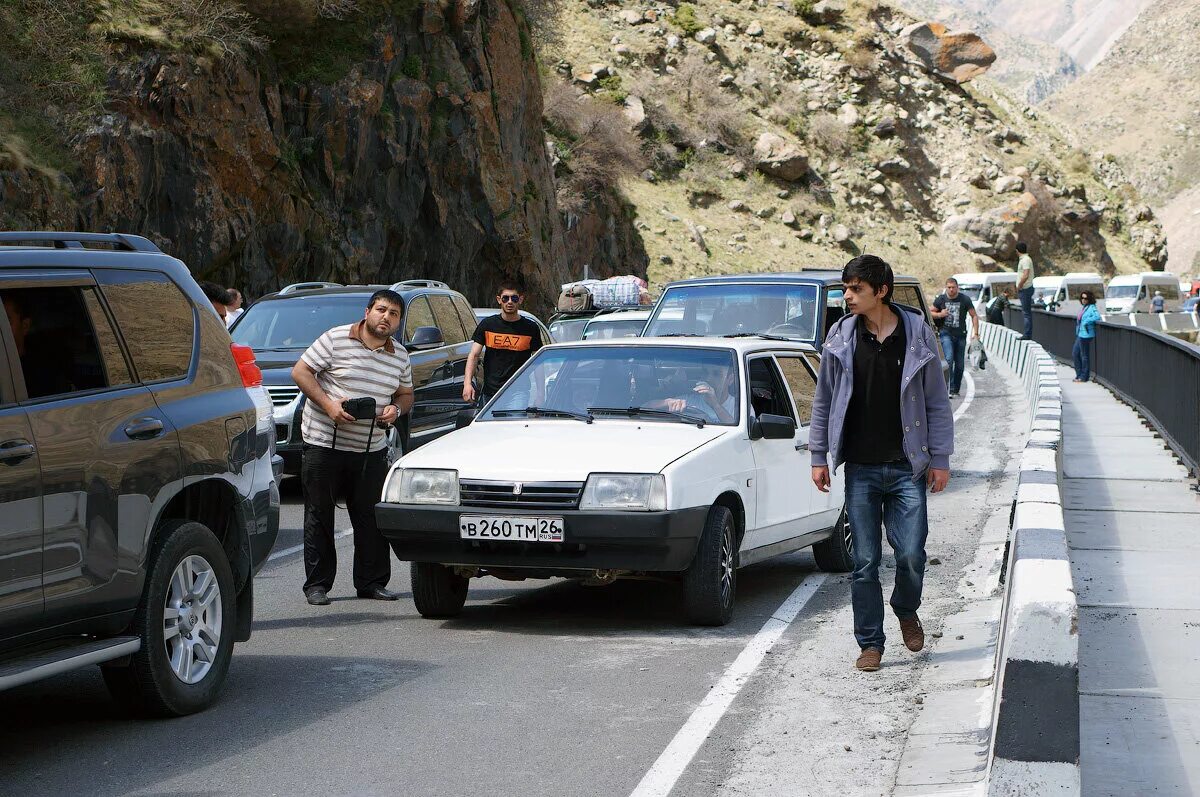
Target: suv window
{"points": [[64, 341], [802, 383], [417, 315], [466, 315], [768, 396], [156, 319], [447, 319], [909, 295]]}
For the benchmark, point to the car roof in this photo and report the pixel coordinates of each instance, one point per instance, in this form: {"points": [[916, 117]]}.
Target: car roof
{"points": [[621, 315], [740, 345], [356, 290], [813, 276]]}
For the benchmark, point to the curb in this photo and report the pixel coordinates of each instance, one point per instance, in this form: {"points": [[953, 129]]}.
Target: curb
{"points": [[1035, 729]]}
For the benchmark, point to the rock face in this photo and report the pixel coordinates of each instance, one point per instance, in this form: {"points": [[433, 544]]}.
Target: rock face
{"points": [[776, 157], [387, 174], [957, 56]]}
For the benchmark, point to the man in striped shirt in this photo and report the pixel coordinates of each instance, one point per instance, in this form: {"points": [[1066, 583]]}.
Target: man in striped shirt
{"points": [[346, 456]]}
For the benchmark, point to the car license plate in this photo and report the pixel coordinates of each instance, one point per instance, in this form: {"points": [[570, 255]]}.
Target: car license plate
{"points": [[515, 529]]}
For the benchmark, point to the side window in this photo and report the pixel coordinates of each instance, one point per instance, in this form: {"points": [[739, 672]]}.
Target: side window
{"points": [[802, 384], [61, 352], [768, 396], [447, 319], [417, 315], [909, 295], [156, 320], [466, 315]]}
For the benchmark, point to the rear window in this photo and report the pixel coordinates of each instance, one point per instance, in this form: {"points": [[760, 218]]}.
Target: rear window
{"points": [[156, 320]]}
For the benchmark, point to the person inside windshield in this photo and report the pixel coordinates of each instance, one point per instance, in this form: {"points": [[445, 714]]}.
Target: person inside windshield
{"points": [[713, 394]]}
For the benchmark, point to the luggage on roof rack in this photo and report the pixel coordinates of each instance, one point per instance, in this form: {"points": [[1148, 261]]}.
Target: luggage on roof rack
{"points": [[585, 295]]}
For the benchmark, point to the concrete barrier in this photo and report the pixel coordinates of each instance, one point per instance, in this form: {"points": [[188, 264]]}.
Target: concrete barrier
{"points": [[1035, 728]]}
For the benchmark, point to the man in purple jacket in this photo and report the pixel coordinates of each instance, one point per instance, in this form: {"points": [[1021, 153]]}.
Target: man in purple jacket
{"points": [[881, 407]]}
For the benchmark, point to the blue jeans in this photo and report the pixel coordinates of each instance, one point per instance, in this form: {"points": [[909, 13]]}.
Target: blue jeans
{"points": [[887, 495], [954, 349], [1082, 354], [1026, 297]]}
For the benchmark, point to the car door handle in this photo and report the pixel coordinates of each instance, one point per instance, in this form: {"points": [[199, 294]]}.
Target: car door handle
{"points": [[801, 446], [144, 429], [14, 451]]}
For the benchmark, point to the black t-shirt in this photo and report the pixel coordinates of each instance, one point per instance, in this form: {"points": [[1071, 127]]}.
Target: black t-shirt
{"points": [[873, 432], [507, 345], [959, 308]]}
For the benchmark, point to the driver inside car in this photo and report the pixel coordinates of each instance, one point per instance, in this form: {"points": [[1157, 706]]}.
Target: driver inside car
{"points": [[713, 394]]}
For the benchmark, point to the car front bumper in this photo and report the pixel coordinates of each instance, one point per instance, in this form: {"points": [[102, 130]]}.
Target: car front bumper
{"points": [[642, 541]]}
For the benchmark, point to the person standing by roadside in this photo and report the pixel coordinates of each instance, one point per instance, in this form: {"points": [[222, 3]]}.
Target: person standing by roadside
{"points": [[1085, 332], [881, 408], [952, 308], [344, 455], [233, 306], [1158, 304], [1025, 287], [506, 341]]}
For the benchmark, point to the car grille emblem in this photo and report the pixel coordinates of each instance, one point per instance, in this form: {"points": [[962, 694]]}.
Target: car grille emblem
{"points": [[517, 488]]}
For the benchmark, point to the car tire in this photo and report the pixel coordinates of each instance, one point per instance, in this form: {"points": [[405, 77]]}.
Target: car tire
{"points": [[437, 590], [836, 554], [186, 621], [710, 583]]}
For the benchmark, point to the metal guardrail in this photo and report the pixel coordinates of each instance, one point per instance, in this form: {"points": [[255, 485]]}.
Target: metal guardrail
{"points": [[1157, 374]]}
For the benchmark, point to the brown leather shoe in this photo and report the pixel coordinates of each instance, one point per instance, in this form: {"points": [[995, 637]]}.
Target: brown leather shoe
{"points": [[913, 633], [868, 660]]}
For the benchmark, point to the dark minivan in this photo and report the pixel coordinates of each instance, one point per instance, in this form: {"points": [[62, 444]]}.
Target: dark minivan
{"points": [[136, 482]]}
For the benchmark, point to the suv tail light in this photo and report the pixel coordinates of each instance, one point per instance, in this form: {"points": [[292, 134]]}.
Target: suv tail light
{"points": [[244, 357]]}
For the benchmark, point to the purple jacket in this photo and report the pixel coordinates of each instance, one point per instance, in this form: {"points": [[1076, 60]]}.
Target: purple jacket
{"points": [[924, 405]]}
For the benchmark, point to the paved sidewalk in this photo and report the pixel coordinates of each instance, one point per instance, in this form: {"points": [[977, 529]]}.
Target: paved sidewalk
{"points": [[1133, 524]]}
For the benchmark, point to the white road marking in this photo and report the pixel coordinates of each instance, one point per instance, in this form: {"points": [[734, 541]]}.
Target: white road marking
{"points": [[663, 775], [296, 548], [966, 402]]}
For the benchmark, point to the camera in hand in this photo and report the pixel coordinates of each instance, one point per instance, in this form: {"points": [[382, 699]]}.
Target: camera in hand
{"points": [[363, 409]]}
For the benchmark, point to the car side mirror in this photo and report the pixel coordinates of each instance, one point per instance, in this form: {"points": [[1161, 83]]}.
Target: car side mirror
{"points": [[425, 338], [773, 427], [465, 417]]}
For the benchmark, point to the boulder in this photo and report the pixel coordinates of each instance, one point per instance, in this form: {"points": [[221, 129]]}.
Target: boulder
{"points": [[894, 167], [827, 11], [848, 115], [886, 127], [706, 36], [957, 56], [1009, 184], [635, 113], [776, 157], [754, 29], [630, 17]]}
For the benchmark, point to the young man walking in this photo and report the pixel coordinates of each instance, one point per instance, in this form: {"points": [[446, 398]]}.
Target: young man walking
{"points": [[881, 408], [506, 341], [952, 308], [1025, 288], [344, 455]]}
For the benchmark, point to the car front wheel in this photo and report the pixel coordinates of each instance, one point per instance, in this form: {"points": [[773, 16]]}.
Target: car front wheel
{"points": [[710, 584], [836, 554], [437, 590], [186, 622]]}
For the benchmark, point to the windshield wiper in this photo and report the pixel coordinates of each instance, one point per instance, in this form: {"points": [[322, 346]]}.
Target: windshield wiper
{"points": [[679, 335], [683, 417], [548, 412], [762, 335]]}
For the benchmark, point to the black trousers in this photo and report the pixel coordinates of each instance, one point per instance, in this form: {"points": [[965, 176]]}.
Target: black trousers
{"points": [[328, 475]]}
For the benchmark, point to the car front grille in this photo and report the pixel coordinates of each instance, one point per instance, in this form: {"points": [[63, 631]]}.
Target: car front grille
{"points": [[282, 395], [530, 495]]}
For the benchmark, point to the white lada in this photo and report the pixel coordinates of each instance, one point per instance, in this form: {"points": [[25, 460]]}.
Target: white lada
{"points": [[681, 458]]}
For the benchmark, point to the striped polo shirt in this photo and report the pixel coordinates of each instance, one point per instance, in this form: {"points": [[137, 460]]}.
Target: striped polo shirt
{"points": [[346, 368]]}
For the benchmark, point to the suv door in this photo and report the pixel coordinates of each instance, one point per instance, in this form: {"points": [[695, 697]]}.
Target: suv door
{"points": [[782, 508], [21, 602], [102, 442]]}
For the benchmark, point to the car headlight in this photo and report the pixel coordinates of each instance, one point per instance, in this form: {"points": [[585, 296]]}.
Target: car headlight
{"points": [[422, 486], [645, 492]]}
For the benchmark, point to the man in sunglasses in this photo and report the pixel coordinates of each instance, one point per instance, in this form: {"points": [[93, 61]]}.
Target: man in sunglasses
{"points": [[509, 340]]}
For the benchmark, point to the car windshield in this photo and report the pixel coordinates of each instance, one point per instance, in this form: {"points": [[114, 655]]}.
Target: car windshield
{"points": [[1121, 292], [1044, 292], [628, 328], [295, 323], [971, 291], [737, 309], [655, 384], [568, 330]]}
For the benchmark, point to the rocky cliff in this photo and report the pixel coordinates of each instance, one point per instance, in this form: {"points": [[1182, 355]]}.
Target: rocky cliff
{"points": [[380, 142]]}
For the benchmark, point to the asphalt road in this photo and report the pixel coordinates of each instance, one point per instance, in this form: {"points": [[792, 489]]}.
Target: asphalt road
{"points": [[538, 688]]}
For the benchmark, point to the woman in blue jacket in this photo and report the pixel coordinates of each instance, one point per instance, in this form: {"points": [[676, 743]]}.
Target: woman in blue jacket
{"points": [[1085, 330]]}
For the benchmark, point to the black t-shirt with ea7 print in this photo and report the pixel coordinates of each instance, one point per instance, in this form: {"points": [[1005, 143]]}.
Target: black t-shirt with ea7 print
{"points": [[507, 345]]}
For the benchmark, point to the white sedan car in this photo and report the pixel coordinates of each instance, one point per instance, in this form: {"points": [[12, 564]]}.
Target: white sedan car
{"points": [[678, 458]]}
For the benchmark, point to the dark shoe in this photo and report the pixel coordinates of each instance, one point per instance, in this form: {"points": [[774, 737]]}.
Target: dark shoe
{"points": [[913, 633], [317, 597], [868, 660], [953, 394], [378, 594], [1024, 337]]}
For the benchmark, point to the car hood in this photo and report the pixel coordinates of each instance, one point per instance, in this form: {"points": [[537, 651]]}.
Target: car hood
{"points": [[277, 359], [561, 450]]}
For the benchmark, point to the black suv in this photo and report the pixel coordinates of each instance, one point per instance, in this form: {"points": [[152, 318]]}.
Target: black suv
{"points": [[437, 329], [136, 482]]}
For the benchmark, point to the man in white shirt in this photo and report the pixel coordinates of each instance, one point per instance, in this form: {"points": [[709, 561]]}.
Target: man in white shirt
{"points": [[233, 308], [1025, 287]]}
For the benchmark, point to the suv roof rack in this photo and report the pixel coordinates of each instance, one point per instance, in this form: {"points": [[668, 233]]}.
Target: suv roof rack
{"points": [[419, 283], [76, 240], [296, 287]]}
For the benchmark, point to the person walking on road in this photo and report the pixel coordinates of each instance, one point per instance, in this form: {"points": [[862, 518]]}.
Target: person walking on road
{"points": [[1085, 332], [344, 452], [1025, 287], [952, 308], [1158, 304], [506, 341], [881, 408]]}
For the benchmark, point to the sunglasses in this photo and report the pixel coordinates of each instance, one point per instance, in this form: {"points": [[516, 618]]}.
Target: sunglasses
{"points": [[507, 298]]}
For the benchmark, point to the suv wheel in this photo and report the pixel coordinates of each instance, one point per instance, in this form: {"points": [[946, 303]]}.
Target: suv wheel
{"points": [[710, 584], [186, 622], [437, 590], [836, 554]]}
